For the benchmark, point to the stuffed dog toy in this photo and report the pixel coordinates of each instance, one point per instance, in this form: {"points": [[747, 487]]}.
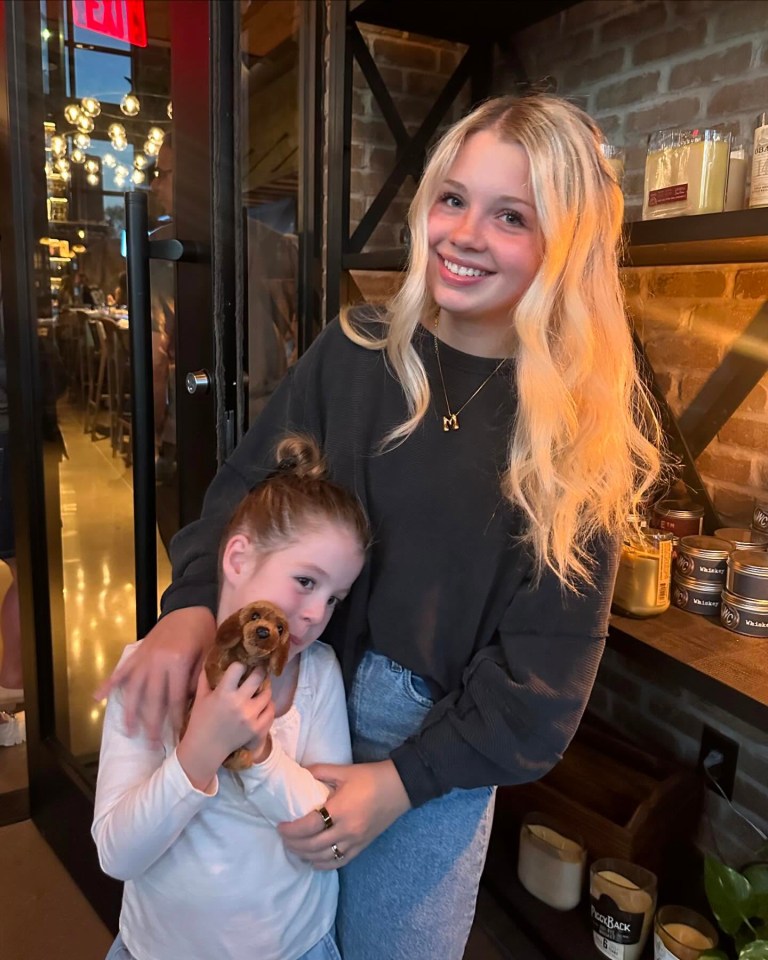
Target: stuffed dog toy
{"points": [[258, 636]]}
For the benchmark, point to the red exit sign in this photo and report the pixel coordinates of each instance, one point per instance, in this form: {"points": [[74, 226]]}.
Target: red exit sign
{"points": [[119, 19]]}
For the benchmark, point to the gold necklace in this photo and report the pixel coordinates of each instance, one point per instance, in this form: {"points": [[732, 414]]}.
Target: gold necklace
{"points": [[451, 422]]}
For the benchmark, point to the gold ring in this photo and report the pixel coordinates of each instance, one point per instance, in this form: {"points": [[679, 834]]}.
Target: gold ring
{"points": [[337, 854], [327, 818]]}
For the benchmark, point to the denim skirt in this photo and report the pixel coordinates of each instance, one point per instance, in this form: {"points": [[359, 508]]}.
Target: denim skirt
{"points": [[411, 894], [324, 949]]}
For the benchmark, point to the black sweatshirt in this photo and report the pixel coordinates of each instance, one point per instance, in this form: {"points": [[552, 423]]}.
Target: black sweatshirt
{"points": [[448, 589]]}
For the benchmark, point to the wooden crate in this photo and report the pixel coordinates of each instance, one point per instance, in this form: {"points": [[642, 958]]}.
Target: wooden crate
{"points": [[623, 801]]}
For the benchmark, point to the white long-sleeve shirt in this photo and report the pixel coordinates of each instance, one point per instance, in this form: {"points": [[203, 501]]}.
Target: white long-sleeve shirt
{"points": [[206, 874]]}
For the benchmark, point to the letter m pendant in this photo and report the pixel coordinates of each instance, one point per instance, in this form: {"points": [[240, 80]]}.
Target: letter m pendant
{"points": [[450, 423]]}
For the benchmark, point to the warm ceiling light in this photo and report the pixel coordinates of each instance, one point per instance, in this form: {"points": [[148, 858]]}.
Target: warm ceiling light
{"points": [[138, 176], [116, 131], [92, 179], [140, 161], [156, 134], [169, 110], [108, 160], [72, 113], [78, 248], [62, 165], [91, 165], [58, 146], [119, 181], [91, 106], [82, 141], [84, 123], [130, 105], [77, 156], [81, 234], [121, 171], [119, 144], [151, 148]]}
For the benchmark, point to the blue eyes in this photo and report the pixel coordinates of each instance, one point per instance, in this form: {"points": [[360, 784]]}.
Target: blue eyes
{"points": [[509, 218]]}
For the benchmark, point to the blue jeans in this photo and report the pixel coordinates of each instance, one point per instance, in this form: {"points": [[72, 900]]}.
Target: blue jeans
{"points": [[411, 894], [324, 949]]}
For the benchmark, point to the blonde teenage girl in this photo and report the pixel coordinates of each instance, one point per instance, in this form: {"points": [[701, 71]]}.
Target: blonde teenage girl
{"points": [[492, 422]]}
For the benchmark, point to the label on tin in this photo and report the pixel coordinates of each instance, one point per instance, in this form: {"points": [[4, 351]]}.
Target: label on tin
{"points": [[665, 572], [613, 929]]}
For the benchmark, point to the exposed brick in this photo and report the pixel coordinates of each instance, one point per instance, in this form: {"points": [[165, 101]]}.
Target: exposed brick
{"points": [[706, 70], [733, 506], [624, 29], [753, 796], [745, 433], [450, 59], [666, 383], [631, 281], [592, 11], [657, 318], [694, 283], [749, 95], [739, 18], [628, 90], [610, 125], [728, 469], [660, 46], [756, 401], [393, 78], [644, 730], [425, 85], [764, 56], [361, 103], [720, 320], [689, 388], [357, 156], [587, 71], [377, 286], [374, 132], [669, 710], [669, 113], [683, 351], [405, 53], [752, 284]]}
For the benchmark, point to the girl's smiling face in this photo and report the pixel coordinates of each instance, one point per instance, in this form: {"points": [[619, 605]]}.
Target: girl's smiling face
{"points": [[484, 243]]}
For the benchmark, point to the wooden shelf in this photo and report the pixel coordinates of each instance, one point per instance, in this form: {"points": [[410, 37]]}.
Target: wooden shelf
{"points": [[738, 236], [725, 668]]}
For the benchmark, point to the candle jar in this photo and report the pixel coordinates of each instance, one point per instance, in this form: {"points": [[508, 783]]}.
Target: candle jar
{"points": [[683, 518], [643, 578], [681, 934], [685, 172], [551, 861], [743, 538], [616, 157], [760, 516], [703, 558], [622, 902]]}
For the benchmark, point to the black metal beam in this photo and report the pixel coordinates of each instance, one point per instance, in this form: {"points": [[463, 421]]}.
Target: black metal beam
{"points": [[728, 386], [416, 147]]}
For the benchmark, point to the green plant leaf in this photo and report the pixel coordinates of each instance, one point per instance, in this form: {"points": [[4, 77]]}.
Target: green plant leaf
{"points": [[757, 950], [713, 955], [729, 894], [757, 875]]}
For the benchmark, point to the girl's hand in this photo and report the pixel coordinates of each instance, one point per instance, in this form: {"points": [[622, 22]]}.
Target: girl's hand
{"points": [[366, 799], [223, 720], [158, 679]]}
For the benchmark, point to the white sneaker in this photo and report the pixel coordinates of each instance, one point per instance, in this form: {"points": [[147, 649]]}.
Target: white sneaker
{"points": [[13, 729]]}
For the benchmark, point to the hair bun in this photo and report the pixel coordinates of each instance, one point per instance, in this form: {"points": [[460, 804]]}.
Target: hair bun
{"points": [[300, 455]]}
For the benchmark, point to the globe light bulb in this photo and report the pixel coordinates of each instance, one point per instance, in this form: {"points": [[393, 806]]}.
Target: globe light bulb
{"points": [[92, 179], [169, 110], [91, 165], [140, 161], [91, 106], [82, 140], [119, 182], [62, 165], [116, 131], [119, 144], [151, 148], [72, 113], [58, 146], [77, 156], [84, 123], [138, 176], [156, 134], [130, 105], [108, 160], [121, 171]]}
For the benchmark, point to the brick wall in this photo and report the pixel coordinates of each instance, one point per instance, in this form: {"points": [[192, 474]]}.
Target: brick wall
{"points": [[660, 715]]}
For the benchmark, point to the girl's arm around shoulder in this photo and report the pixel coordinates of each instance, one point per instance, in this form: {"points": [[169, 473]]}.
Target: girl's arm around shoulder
{"points": [[521, 698], [143, 798], [281, 787]]}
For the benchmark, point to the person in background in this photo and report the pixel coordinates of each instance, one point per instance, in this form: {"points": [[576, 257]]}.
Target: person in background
{"points": [[206, 873], [494, 424]]}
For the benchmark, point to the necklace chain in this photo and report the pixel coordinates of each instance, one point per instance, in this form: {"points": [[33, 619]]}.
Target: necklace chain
{"points": [[451, 422]]}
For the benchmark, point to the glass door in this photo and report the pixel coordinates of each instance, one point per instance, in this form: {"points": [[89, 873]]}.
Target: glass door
{"points": [[92, 109]]}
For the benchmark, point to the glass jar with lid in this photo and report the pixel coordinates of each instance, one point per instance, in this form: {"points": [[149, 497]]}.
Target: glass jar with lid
{"points": [[645, 570]]}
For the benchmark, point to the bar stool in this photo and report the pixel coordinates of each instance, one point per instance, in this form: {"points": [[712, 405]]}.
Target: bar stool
{"points": [[101, 394], [118, 354]]}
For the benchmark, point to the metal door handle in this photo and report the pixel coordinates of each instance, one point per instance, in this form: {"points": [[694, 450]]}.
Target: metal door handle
{"points": [[198, 381]]}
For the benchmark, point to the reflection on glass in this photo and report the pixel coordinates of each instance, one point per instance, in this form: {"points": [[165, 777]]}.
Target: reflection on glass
{"points": [[93, 153], [269, 118]]}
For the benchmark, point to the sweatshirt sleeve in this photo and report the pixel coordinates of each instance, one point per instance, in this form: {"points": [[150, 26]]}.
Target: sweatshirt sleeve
{"points": [[280, 787], [143, 797], [522, 698]]}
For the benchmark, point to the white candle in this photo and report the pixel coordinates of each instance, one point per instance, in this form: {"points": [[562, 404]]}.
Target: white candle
{"points": [[551, 865]]}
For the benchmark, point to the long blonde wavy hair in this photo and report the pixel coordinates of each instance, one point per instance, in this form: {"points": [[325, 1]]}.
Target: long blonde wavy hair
{"points": [[586, 444]]}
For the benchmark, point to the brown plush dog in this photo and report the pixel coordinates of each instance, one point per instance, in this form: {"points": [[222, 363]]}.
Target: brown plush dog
{"points": [[258, 636]]}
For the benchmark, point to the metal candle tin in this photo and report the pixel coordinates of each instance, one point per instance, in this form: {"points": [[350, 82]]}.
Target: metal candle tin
{"points": [[748, 574], [760, 516], [748, 617], [742, 538], [703, 559], [683, 518], [696, 596]]}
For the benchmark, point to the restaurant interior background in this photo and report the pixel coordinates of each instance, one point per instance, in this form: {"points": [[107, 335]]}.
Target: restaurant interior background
{"points": [[277, 191]]}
